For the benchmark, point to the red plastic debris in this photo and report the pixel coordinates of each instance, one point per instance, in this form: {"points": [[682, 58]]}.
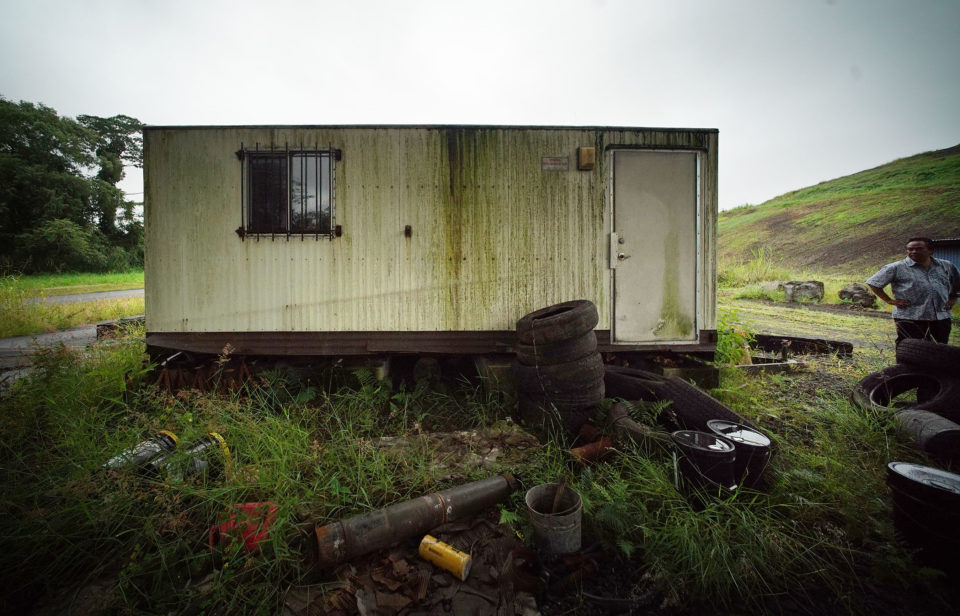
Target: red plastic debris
{"points": [[249, 521]]}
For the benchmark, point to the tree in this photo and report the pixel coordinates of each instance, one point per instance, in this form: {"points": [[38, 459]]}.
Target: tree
{"points": [[54, 168], [119, 140]]}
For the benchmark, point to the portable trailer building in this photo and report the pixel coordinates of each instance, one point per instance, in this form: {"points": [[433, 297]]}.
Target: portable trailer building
{"points": [[378, 240], [947, 248]]}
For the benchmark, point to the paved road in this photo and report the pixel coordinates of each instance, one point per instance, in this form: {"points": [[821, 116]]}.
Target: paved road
{"points": [[84, 297], [15, 352]]}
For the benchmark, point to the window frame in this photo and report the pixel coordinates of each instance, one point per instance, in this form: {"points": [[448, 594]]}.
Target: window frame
{"points": [[324, 167]]}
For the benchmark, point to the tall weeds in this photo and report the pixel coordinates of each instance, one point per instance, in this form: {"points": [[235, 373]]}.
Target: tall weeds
{"points": [[758, 268], [18, 317], [308, 442]]}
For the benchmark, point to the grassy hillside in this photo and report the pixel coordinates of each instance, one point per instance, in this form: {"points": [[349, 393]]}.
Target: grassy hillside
{"points": [[850, 225]]}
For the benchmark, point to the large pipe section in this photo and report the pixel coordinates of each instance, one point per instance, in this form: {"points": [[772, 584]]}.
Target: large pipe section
{"points": [[362, 534]]}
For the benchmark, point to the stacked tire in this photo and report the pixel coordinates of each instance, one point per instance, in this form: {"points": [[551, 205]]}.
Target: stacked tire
{"points": [[558, 371], [933, 370]]}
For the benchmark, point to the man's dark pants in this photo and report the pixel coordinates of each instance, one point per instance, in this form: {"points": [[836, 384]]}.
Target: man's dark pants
{"points": [[937, 331]]}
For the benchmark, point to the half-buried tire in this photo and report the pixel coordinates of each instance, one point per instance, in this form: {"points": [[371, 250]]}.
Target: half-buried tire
{"points": [[935, 392], [691, 407], [936, 435], [941, 358]]}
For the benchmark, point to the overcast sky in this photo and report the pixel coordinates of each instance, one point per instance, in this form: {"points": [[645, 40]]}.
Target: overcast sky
{"points": [[802, 91]]}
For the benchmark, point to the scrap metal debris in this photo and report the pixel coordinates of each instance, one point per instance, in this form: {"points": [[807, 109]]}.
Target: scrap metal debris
{"points": [[400, 582]]}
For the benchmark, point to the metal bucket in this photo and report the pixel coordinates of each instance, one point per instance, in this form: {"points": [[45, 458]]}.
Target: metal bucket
{"points": [[753, 450], [926, 511], [556, 532], [707, 456]]}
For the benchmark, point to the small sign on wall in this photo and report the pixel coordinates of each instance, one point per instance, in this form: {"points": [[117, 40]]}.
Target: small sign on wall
{"points": [[555, 163]]}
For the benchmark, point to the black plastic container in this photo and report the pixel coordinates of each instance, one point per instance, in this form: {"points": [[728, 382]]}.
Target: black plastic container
{"points": [[706, 458], [753, 450]]}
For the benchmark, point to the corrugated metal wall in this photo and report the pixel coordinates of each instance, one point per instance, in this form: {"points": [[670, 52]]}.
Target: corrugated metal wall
{"points": [[493, 235], [947, 248]]}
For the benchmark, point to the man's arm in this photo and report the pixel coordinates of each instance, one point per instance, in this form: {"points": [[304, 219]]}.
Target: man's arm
{"points": [[879, 292]]}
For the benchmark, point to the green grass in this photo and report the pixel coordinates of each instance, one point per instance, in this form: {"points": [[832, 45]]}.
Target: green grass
{"points": [[67, 284], [304, 439], [18, 318]]}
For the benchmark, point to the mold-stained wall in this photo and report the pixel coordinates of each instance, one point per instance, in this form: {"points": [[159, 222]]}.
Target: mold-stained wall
{"points": [[494, 234]]}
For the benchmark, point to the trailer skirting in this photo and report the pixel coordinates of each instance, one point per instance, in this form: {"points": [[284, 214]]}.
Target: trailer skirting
{"points": [[337, 344]]}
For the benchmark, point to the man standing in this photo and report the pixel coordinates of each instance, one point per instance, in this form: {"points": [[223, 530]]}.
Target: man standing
{"points": [[924, 290]]}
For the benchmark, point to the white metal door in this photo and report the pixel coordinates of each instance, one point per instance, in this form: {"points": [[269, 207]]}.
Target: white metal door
{"points": [[653, 248]]}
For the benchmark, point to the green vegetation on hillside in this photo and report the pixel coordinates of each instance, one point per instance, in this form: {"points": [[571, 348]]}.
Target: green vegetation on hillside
{"points": [[850, 225]]}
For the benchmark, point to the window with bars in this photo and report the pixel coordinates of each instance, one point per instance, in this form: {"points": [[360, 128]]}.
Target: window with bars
{"points": [[288, 192]]}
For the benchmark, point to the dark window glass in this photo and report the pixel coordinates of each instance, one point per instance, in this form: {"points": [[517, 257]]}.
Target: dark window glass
{"points": [[268, 194], [289, 193]]}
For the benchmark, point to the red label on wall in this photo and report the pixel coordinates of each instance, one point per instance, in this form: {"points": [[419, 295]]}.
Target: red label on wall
{"points": [[555, 163]]}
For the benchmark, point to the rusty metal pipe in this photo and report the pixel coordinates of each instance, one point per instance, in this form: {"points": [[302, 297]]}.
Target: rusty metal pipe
{"points": [[625, 429], [592, 452], [368, 532]]}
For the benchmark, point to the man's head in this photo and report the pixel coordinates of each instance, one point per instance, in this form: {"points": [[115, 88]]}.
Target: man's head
{"points": [[919, 249]]}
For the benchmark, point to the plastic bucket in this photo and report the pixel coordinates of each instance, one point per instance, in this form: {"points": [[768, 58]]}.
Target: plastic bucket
{"points": [[753, 449], [556, 532], [706, 455]]}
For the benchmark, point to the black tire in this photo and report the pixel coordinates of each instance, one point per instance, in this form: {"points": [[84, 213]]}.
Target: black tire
{"points": [[936, 435], [631, 383], [558, 352], [941, 358], [558, 322], [691, 408], [587, 397], [565, 378], [546, 417], [935, 392]]}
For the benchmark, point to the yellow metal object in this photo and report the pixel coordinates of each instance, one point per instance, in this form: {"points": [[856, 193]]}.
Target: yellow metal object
{"points": [[170, 434], [222, 444], [586, 158], [446, 557]]}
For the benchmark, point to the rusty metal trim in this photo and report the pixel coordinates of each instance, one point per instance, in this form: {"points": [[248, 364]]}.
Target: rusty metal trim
{"points": [[307, 344]]}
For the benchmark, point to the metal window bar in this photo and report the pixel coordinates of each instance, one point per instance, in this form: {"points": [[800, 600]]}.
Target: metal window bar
{"points": [[243, 202], [281, 222], [258, 231], [303, 202], [331, 165], [317, 199]]}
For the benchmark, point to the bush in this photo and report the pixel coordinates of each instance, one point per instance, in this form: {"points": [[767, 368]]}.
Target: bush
{"points": [[62, 245], [733, 339]]}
